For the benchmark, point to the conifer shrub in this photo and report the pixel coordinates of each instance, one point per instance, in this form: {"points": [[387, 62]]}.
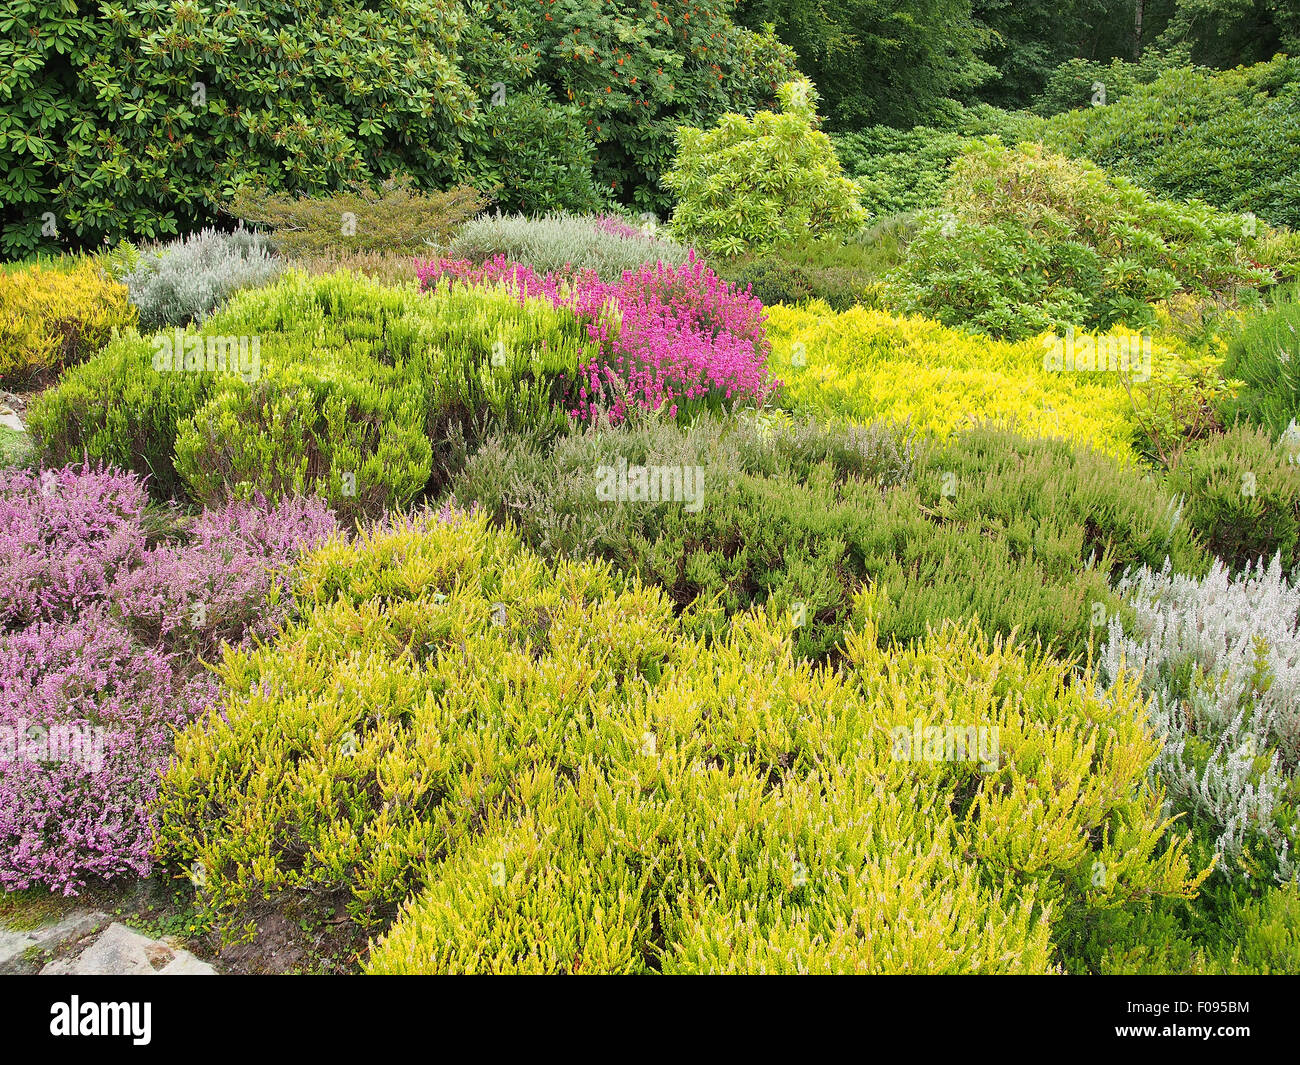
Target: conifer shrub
{"points": [[547, 771], [396, 217]]}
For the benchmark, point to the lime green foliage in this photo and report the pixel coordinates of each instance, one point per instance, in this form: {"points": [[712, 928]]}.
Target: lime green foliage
{"points": [[1265, 357], [751, 182], [55, 315], [556, 777], [394, 218], [1243, 496], [1030, 241], [359, 392], [1021, 534], [1230, 138], [866, 364]]}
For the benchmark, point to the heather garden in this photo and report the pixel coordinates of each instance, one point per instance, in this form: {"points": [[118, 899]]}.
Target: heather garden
{"points": [[654, 486]]}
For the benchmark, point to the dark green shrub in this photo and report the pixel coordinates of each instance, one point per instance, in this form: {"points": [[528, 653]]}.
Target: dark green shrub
{"points": [[1022, 534], [538, 155], [1265, 357], [1230, 138], [1243, 496], [140, 118]]}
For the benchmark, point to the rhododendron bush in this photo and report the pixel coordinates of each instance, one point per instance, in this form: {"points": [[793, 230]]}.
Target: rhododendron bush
{"points": [[671, 337], [103, 634]]}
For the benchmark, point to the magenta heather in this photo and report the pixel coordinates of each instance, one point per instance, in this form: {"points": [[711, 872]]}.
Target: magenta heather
{"points": [[669, 336]]}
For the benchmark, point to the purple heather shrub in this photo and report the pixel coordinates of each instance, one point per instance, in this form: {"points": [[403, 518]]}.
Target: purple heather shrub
{"points": [[64, 535], [86, 720], [227, 582], [669, 335], [101, 653]]}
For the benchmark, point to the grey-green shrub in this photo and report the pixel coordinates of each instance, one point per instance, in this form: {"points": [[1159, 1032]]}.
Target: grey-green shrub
{"points": [[560, 243], [1221, 658], [184, 281]]}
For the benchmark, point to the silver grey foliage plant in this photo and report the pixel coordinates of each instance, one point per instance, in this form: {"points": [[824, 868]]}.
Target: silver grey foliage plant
{"points": [[184, 280], [558, 242], [1221, 659]]}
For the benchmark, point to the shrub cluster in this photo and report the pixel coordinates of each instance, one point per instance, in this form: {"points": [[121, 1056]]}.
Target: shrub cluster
{"points": [[1265, 358], [185, 280], [1230, 138], [52, 317], [394, 218], [357, 393], [1030, 241], [670, 339], [105, 613], [1242, 491], [565, 243], [1221, 658], [750, 182], [555, 777], [1113, 391], [1021, 534]]}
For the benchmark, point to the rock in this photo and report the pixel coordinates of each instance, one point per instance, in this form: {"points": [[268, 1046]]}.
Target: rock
{"points": [[122, 952], [10, 420], [17, 948]]}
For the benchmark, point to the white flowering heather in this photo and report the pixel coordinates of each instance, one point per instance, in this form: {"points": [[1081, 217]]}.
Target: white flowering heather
{"points": [[1221, 659], [185, 280], [561, 242]]}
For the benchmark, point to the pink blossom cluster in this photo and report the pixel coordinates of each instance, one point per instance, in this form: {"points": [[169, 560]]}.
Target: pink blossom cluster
{"points": [[619, 227], [103, 637], [668, 335]]}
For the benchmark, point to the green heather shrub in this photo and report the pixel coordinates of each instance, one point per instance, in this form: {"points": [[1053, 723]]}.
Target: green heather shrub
{"points": [[559, 243], [554, 775], [1230, 138], [840, 273], [1265, 357], [396, 217], [1243, 933], [183, 281], [362, 393], [55, 315], [1020, 534], [752, 182], [1029, 241], [1243, 496]]}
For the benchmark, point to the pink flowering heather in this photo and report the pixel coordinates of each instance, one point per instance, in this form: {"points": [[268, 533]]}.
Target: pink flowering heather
{"points": [[64, 535], [618, 226], [86, 719], [226, 583], [669, 335], [107, 657]]}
